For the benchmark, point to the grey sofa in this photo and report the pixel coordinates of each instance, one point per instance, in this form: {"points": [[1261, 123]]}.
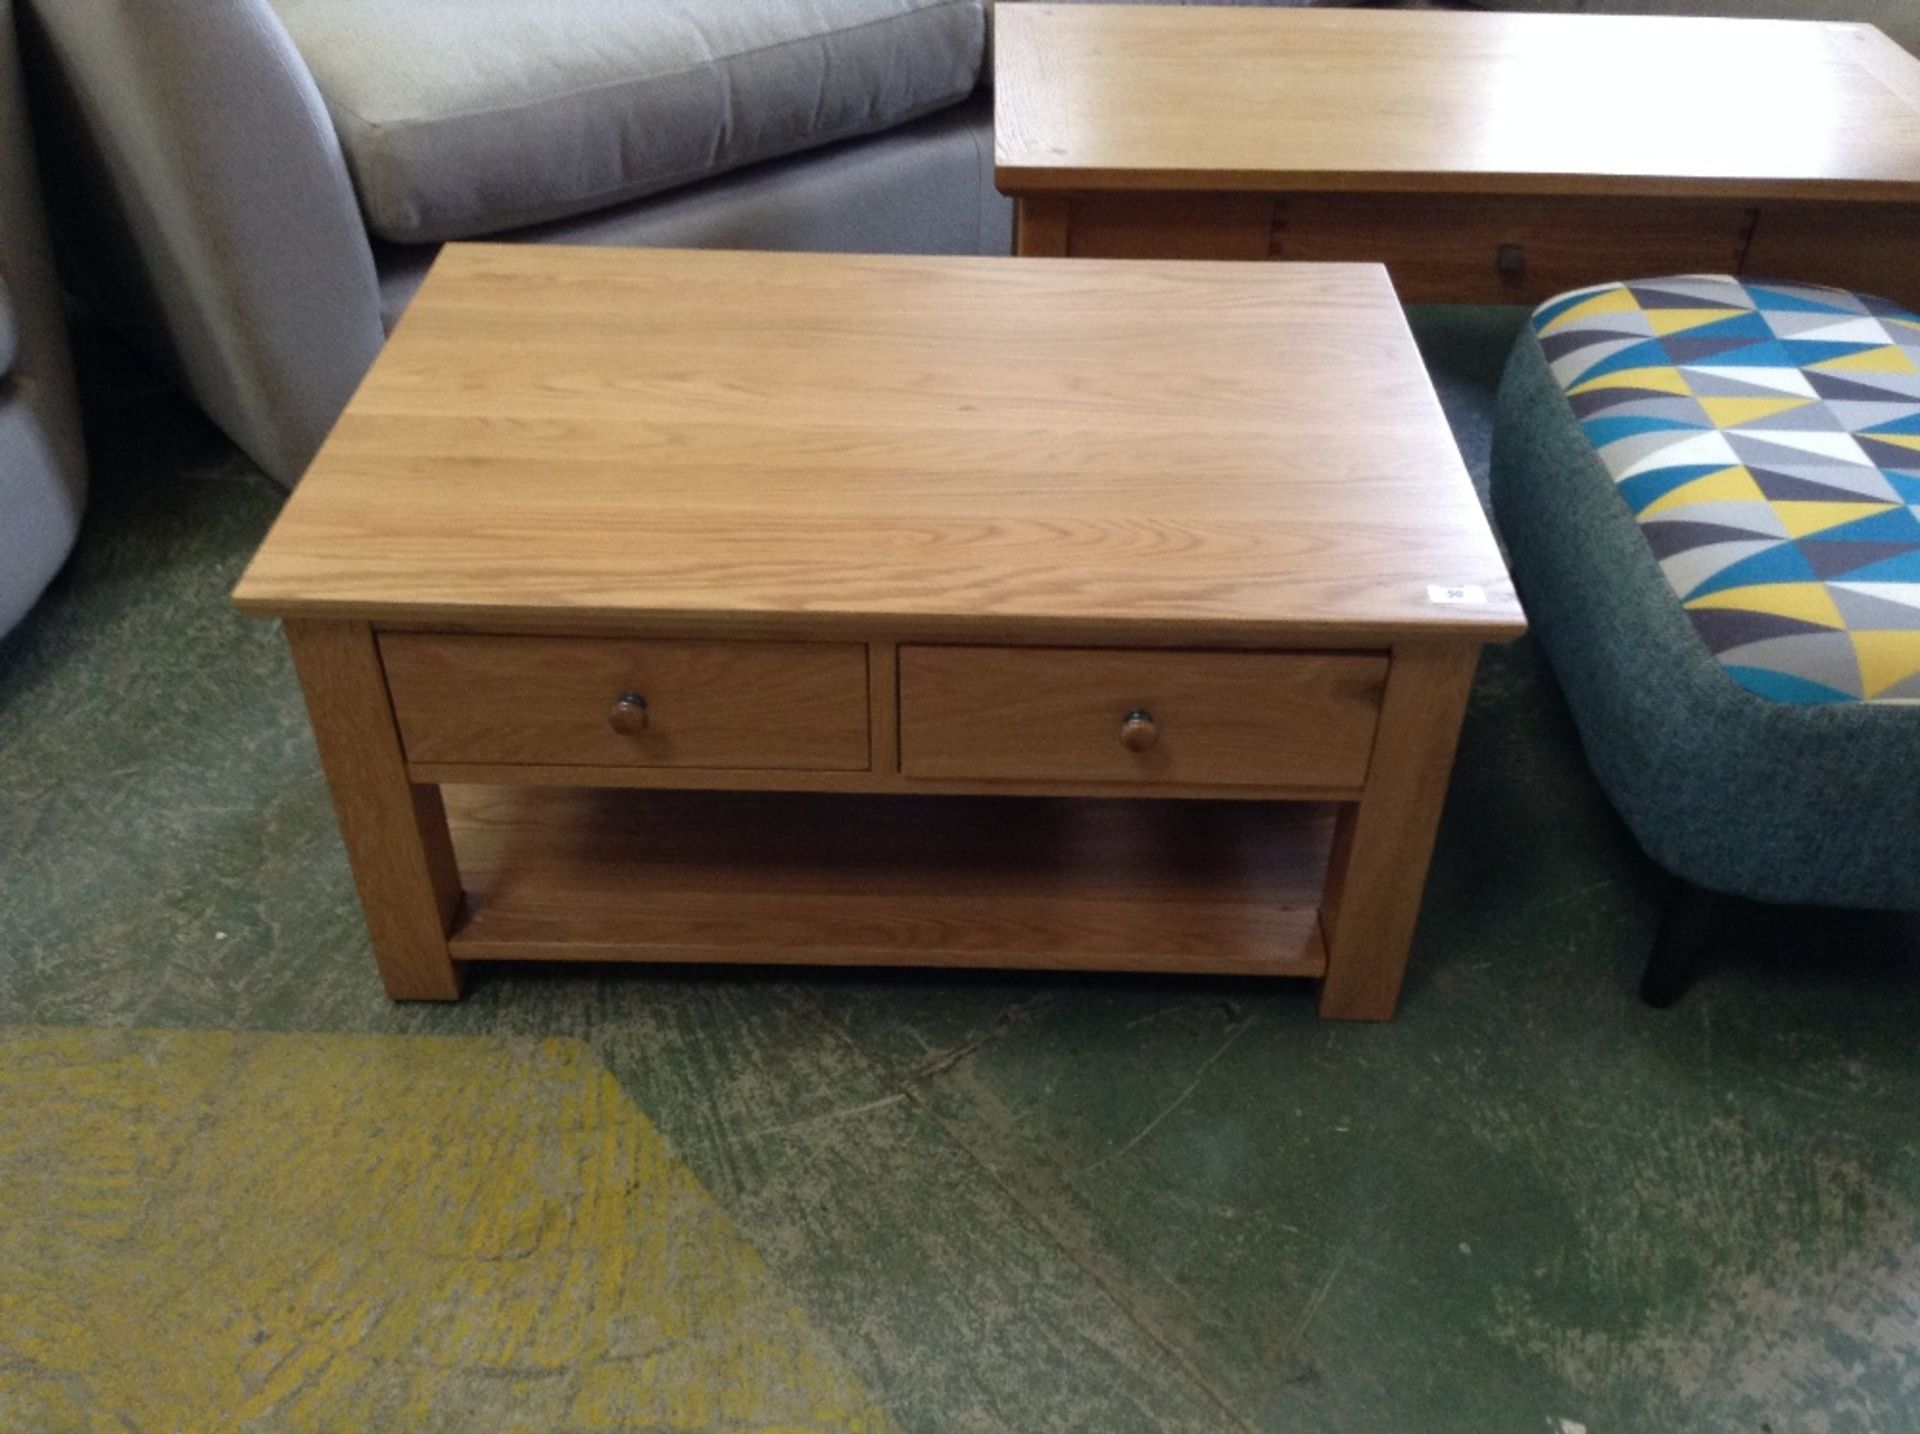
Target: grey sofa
{"points": [[259, 185], [42, 478]]}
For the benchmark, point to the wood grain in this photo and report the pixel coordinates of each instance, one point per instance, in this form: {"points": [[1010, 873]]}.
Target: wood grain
{"points": [[1178, 454], [1872, 248], [545, 700], [832, 456], [1226, 719], [751, 779], [1378, 871], [395, 831], [1091, 97], [1447, 248], [1438, 248], [883, 707], [1048, 884]]}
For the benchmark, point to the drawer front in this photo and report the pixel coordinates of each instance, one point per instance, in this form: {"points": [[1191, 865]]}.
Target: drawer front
{"points": [[1174, 718], [1169, 226], [559, 702], [1511, 249], [1869, 247]]}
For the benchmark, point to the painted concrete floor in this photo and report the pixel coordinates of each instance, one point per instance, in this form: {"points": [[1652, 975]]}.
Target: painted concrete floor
{"points": [[957, 1202]]}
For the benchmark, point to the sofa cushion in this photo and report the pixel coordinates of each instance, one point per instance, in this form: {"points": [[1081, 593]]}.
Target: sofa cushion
{"points": [[1766, 438], [465, 117]]}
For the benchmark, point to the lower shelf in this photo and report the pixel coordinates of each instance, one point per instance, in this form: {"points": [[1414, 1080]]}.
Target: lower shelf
{"points": [[1039, 882]]}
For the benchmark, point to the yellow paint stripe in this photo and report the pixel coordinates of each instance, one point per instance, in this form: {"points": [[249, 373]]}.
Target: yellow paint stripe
{"points": [[329, 1232]]}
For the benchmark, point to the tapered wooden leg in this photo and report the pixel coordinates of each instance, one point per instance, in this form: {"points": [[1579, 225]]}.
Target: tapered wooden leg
{"points": [[395, 832], [1384, 841], [1680, 947]]}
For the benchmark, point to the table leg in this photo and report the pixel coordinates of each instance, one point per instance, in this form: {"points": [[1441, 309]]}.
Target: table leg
{"points": [[1040, 227], [1383, 842], [395, 832]]}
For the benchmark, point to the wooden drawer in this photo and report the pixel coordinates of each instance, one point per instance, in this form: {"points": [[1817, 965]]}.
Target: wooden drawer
{"points": [[1214, 719], [1511, 249], [550, 701], [1874, 248], [1169, 226]]}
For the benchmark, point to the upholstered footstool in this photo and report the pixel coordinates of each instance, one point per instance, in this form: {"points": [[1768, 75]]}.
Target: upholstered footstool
{"points": [[1711, 491]]}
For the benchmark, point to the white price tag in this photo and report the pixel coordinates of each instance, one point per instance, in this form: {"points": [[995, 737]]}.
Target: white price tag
{"points": [[1464, 593]]}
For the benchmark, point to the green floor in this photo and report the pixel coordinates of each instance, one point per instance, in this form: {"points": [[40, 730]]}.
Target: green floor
{"points": [[1030, 1203]]}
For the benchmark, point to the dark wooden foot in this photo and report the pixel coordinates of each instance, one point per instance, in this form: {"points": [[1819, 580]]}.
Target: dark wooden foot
{"points": [[1678, 949]]}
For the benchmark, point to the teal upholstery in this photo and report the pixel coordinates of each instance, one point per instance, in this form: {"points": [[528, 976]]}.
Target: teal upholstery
{"points": [[1725, 788]]}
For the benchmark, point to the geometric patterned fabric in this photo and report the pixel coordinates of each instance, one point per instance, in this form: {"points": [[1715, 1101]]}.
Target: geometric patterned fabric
{"points": [[1766, 437]]}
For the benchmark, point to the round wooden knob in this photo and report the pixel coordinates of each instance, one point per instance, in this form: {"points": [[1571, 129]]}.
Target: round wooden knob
{"points": [[1510, 261], [629, 714], [1138, 732]]}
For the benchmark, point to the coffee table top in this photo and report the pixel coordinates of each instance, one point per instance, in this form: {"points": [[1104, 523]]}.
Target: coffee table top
{"points": [[987, 448], [1236, 98]]}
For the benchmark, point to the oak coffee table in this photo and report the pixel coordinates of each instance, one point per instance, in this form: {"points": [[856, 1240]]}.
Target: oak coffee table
{"points": [[1482, 157], [800, 608]]}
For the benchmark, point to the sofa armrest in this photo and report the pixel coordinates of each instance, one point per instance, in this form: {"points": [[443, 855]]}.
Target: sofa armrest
{"points": [[42, 471], [196, 166]]}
